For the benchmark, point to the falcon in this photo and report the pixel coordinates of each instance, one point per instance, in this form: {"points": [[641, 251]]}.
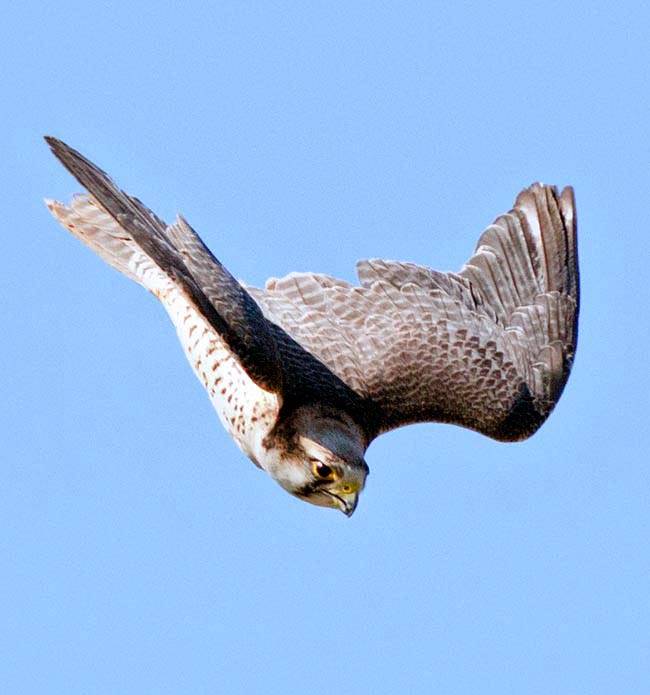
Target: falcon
{"points": [[306, 372]]}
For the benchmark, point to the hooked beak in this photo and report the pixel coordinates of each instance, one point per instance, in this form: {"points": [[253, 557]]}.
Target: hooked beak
{"points": [[343, 501], [347, 502]]}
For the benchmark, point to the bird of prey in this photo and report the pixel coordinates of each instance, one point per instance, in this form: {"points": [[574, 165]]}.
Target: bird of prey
{"points": [[306, 372]]}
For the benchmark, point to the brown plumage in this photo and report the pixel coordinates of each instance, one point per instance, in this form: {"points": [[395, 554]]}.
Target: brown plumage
{"points": [[306, 372], [489, 348]]}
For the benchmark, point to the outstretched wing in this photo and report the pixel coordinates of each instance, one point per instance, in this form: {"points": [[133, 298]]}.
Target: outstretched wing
{"points": [[134, 240], [213, 292], [489, 348]]}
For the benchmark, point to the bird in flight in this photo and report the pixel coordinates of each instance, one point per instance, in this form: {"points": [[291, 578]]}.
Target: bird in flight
{"points": [[306, 372]]}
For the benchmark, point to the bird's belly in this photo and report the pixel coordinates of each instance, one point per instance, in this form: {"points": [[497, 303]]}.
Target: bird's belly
{"points": [[247, 412]]}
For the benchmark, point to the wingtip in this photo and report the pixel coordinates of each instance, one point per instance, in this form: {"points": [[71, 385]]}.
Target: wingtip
{"points": [[565, 197], [568, 199], [58, 147], [52, 141], [67, 155], [528, 194]]}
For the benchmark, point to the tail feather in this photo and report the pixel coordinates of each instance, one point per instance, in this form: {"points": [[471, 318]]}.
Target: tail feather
{"points": [[100, 232]]}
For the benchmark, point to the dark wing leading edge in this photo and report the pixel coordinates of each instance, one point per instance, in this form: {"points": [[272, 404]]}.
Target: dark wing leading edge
{"points": [[273, 360], [489, 348], [216, 295]]}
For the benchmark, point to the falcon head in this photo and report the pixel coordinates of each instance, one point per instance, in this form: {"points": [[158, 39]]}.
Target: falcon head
{"points": [[318, 459]]}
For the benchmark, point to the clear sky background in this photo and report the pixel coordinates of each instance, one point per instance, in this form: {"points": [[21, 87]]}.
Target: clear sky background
{"points": [[141, 552]]}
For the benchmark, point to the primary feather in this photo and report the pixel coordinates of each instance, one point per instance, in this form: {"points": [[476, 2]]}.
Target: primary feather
{"points": [[313, 368]]}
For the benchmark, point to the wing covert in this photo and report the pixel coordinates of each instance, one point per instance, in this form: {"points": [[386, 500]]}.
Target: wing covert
{"points": [[488, 348], [128, 235], [179, 252]]}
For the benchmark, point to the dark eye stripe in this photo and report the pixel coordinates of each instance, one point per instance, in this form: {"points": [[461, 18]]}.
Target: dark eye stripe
{"points": [[310, 488]]}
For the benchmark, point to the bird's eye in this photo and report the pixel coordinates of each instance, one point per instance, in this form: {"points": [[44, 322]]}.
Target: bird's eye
{"points": [[322, 470]]}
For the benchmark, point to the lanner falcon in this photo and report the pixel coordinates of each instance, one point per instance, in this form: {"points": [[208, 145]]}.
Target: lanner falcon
{"points": [[305, 373]]}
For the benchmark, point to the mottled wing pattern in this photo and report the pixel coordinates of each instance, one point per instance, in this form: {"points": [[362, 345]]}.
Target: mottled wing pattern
{"points": [[525, 269], [217, 320], [103, 235], [489, 348], [180, 254], [245, 409]]}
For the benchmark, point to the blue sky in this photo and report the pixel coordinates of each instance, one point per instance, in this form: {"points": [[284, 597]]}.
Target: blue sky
{"points": [[141, 552]]}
